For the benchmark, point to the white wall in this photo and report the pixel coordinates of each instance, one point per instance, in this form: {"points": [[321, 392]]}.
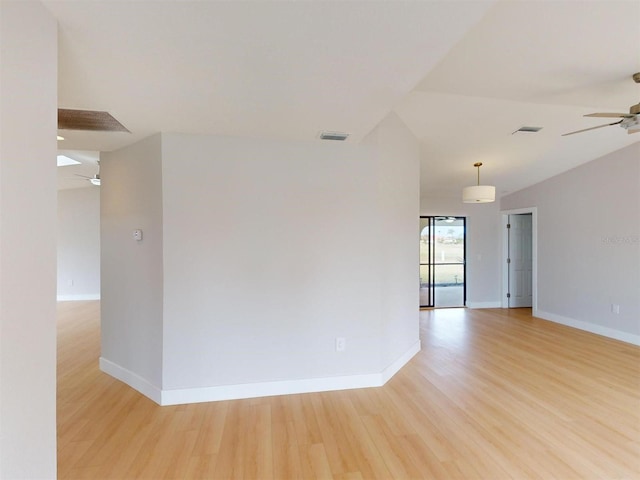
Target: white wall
{"points": [[79, 243], [397, 220], [483, 245], [270, 250], [589, 244], [28, 102], [269, 255], [131, 271]]}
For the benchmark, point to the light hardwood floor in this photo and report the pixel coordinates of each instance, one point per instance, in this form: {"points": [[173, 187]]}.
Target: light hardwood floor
{"points": [[494, 394]]}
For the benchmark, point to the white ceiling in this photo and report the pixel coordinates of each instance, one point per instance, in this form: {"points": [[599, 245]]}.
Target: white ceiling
{"points": [[462, 75]]}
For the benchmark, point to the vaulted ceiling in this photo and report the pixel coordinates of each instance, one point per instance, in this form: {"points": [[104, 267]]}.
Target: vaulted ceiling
{"points": [[462, 76]]}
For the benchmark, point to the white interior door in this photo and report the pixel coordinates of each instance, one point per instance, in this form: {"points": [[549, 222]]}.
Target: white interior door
{"points": [[520, 263]]}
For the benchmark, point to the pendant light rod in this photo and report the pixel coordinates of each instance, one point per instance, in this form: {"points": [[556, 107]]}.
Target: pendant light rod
{"points": [[478, 165]]}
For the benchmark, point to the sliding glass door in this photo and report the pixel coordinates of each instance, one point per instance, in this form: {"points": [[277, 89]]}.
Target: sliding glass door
{"points": [[426, 264], [442, 261]]}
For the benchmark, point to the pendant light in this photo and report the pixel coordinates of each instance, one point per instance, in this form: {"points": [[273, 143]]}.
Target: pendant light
{"points": [[479, 193]]}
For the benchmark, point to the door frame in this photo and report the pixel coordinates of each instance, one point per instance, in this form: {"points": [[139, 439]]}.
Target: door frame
{"points": [[432, 251], [505, 254]]}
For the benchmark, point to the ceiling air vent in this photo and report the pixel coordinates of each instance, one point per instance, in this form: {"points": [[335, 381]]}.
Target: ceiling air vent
{"points": [[88, 120], [527, 130], [333, 136]]}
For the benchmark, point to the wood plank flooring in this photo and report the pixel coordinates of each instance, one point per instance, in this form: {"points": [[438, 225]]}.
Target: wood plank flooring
{"points": [[494, 394]]}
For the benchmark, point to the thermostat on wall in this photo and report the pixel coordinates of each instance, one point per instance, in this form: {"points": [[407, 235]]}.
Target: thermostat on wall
{"points": [[137, 235]]}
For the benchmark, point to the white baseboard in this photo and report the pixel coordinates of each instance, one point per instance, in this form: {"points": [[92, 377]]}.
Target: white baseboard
{"points": [[484, 305], [134, 380], [590, 327], [72, 298], [267, 389], [253, 390], [287, 387], [395, 367]]}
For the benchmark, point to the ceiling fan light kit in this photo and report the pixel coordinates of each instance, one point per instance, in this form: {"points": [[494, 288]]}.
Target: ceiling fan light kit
{"points": [[479, 193], [630, 121]]}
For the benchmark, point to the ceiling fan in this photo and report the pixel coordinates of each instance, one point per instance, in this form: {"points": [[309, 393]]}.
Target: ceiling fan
{"points": [[630, 121], [95, 180]]}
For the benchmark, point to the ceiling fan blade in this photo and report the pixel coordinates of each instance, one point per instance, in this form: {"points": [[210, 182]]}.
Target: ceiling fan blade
{"points": [[610, 115], [592, 128]]}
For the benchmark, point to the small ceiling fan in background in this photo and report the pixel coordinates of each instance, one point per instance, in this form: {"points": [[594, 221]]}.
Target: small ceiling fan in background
{"points": [[95, 180], [630, 121]]}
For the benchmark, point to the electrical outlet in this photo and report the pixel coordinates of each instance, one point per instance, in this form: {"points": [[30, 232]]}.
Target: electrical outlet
{"points": [[341, 344], [615, 308]]}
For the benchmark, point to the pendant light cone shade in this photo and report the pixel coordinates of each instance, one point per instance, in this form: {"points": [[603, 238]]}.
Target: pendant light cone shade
{"points": [[479, 193]]}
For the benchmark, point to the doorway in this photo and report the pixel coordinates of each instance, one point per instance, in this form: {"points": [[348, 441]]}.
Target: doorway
{"points": [[442, 261], [519, 262], [519, 274]]}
